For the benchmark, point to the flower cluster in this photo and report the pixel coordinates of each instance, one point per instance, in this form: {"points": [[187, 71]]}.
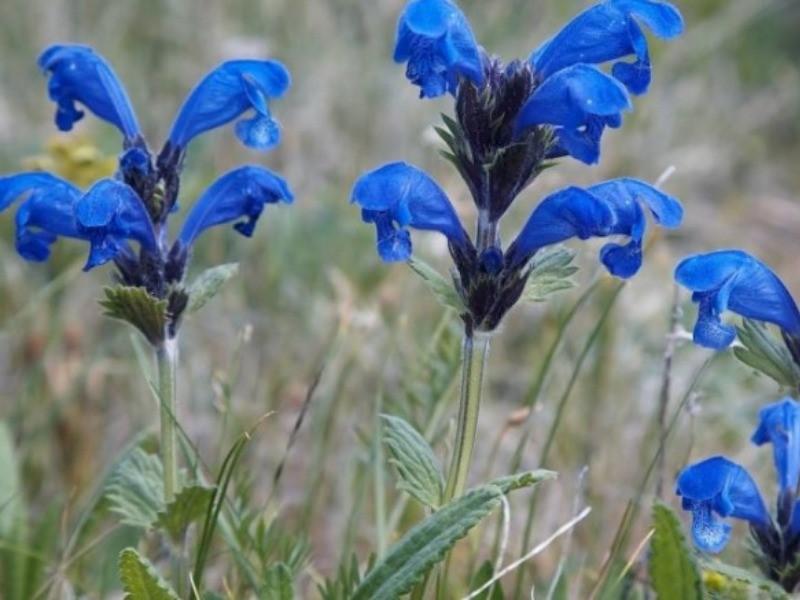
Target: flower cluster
{"points": [[717, 488], [115, 215], [510, 120]]}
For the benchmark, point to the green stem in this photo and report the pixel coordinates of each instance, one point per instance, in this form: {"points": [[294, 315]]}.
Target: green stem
{"points": [[474, 352], [167, 360]]}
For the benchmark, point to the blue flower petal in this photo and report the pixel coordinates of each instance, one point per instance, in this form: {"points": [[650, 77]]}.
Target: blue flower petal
{"points": [[626, 196], [610, 208], [399, 195], [736, 281], [580, 101], [717, 486], [225, 93], [779, 425], [609, 31], [46, 212], [110, 215], [79, 74], [435, 39], [238, 195]]}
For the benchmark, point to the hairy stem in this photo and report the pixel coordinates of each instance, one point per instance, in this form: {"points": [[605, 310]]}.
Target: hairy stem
{"points": [[474, 352], [167, 361]]}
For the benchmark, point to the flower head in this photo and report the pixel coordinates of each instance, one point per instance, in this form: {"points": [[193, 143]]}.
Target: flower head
{"points": [[435, 39], [717, 487], [79, 74], [226, 93], [736, 281]]}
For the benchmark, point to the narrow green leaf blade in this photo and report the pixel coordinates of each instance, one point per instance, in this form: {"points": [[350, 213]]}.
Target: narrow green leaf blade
{"points": [[208, 284], [278, 584], [443, 289], [426, 544], [674, 572], [140, 580], [419, 470]]}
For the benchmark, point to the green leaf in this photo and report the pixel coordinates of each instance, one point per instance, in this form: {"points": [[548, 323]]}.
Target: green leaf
{"points": [[761, 351], [136, 306], [482, 577], [551, 272], [673, 570], [525, 479], [443, 289], [419, 470], [136, 489], [278, 584], [428, 542], [189, 505], [725, 581], [140, 580], [208, 284]]}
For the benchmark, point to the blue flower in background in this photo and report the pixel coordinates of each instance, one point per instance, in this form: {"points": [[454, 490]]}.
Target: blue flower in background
{"points": [[510, 119], [736, 281], [124, 219], [435, 39], [715, 489]]}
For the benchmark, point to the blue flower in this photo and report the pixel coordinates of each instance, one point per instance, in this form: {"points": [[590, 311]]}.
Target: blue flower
{"points": [[399, 195], [78, 74], [734, 280], [779, 425], [580, 101], [239, 194], [610, 208], [609, 31], [110, 215], [717, 487], [227, 92], [46, 212], [435, 39]]}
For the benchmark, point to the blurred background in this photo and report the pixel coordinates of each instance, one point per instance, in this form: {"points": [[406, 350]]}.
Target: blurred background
{"points": [[312, 295]]}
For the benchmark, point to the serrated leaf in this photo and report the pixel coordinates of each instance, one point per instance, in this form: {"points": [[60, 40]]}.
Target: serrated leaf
{"points": [[426, 544], [189, 505], [136, 306], [417, 465], [551, 272], [136, 489], [726, 581], [140, 580], [208, 284], [278, 584], [761, 351], [440, 287], [673, 570]]}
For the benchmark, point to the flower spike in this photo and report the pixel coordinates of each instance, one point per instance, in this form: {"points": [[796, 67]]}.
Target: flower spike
{"points": [[79, 74], [399, 195], [734, 280], [435, 39], [717, 487], [45, 214], [609, 31], [239, 194], [224, 94], [109, 215]]}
